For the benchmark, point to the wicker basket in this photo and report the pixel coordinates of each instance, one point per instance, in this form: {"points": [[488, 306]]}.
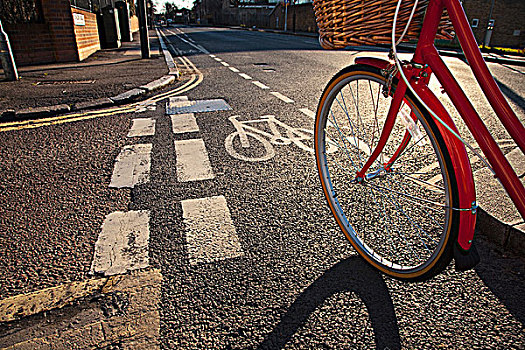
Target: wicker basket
{"points": [[369, 22]]}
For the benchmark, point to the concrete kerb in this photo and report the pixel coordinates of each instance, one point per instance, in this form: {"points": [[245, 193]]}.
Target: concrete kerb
{"points": [[125, 97]]}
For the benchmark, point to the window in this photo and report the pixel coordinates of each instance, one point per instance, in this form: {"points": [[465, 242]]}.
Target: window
{"points": [[475, 23]]}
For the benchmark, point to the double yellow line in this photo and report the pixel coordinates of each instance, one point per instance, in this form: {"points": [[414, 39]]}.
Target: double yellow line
{"points": [[195, 79]]}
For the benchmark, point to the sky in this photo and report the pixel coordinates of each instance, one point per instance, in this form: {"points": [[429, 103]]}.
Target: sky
{"points": [[179, 3]]}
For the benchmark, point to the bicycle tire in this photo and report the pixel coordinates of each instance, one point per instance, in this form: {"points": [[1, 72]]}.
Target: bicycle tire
{"points": [[400, 220]]}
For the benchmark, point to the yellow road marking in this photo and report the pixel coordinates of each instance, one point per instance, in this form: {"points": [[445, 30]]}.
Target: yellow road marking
{"points": [[194, 81]]}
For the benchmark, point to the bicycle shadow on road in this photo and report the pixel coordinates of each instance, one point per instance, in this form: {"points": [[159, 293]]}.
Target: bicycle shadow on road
{"points": [[504, 276], [350, 275]]}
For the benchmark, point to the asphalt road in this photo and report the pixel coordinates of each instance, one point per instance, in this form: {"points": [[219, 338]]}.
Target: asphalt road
{"points": [[293, 281]]}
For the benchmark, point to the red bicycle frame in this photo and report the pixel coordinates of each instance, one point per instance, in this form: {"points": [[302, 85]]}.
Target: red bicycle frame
{"points": [[427, 60]]}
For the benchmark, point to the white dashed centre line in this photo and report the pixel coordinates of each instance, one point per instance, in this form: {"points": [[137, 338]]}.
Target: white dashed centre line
{"points": [[211, 235], [185, 122], [233, 69], [122, 244], [132, 166], [261, 85], [307, 112], [142, 127], [245, 76], [225, 64], [192, 160], [212, 56], [217, 59], [281, 97]]}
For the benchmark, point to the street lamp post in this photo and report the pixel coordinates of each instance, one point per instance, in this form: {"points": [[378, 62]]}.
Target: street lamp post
{"points": [[143, 26], [6, 56]]}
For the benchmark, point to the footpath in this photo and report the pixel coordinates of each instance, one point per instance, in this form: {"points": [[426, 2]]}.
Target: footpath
{"points": [[108, 77]]}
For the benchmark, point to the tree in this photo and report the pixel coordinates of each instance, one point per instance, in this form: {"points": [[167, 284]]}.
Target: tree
{"points": [[170, 10]]}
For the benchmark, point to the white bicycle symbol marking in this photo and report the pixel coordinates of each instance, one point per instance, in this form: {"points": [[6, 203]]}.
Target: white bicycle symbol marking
{"points": [[245, 131]]}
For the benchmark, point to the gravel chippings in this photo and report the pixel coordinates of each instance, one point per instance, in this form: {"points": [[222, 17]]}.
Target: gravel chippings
{"points": [[54, 194]]}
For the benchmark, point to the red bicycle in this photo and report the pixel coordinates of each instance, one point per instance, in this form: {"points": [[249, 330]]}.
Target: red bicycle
{"points": [[400, 185]]}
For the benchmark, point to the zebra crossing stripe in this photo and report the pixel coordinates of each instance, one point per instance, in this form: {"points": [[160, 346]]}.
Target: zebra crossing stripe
{"points": [[132, 166], [182, 123], [192, 162], [142, 127], [122, 244], [211, 235]]}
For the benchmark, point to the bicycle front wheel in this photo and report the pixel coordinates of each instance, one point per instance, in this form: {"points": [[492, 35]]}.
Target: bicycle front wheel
{"points": [[400, 215]]}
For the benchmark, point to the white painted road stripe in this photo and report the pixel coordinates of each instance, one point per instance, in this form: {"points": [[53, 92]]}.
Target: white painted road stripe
{"points": [[261, 85], [122, 245], [192, 161], [132, 166], [217, 59], [211, 235], [281, 97], [245, 76], [233, 69], [185, 122], [225, 64], [212, 56], [142, 127], [307, 112]]}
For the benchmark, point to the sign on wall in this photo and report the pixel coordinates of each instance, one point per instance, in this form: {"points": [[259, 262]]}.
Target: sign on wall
{"points": [[79, 19]]}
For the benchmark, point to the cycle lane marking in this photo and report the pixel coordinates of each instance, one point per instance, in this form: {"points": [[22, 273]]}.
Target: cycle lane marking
{"points": [[183, 123], [122, 245], [142, 127], [132, 166], [210, 235], [192, 161]]}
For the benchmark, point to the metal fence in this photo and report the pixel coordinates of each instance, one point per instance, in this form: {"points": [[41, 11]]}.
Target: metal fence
{"points": [[20, 11]]}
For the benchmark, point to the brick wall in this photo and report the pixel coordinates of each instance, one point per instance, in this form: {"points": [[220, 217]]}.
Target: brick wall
{"points": [[86, 35], [508, 15], [55, 40], [57, 13], [304, 18], [31, 43]]}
